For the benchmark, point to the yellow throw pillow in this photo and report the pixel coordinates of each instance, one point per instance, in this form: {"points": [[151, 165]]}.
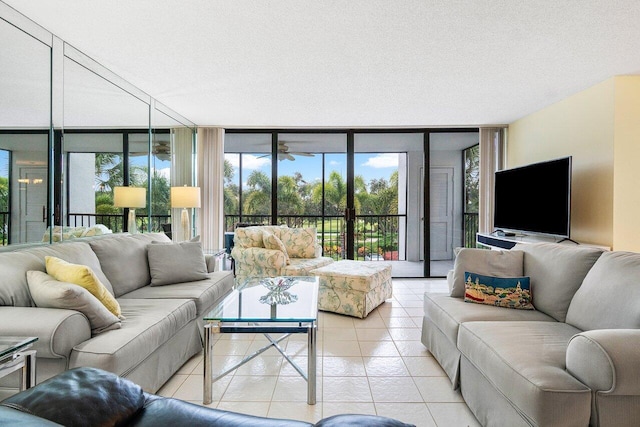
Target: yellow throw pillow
{"points": [[82, 275]]}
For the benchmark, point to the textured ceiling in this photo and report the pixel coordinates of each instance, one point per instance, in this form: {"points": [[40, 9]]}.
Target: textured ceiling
{"points": [[352, 63]]}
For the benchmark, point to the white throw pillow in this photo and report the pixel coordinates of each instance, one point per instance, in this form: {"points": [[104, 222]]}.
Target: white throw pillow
{"points": [[50, 293]]}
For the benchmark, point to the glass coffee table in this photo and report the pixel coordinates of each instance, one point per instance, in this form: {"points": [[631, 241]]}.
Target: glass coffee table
{"points": [[15, 355], [288, 306]]}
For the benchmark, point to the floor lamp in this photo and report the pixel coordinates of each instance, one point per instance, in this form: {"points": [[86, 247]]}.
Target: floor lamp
{"points": [[132, 198], [185, 197]]}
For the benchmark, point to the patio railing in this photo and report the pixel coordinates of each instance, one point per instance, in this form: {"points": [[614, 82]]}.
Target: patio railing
{"points": [[115, 222], [4, 228], [470, 229], [376, 235]]}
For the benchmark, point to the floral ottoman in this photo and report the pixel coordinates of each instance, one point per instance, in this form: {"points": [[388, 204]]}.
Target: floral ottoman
{"points": [[353, 288]]}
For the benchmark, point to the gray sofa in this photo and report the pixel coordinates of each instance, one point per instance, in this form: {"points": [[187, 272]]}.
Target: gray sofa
{"points": [[162, 325], [573, 361]]}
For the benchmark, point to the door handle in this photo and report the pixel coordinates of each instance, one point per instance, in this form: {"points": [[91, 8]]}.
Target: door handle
{"points": [[44, 213]]}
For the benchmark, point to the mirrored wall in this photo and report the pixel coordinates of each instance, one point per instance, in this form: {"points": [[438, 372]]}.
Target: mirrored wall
{"points": [[70, 132]]}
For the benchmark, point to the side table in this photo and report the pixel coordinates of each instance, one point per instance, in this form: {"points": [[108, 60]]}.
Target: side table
{"points": [[15, 355]]}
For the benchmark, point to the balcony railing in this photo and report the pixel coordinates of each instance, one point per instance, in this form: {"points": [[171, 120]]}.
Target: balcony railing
{"points": [[376, 236], [115, 222], [4, 228], [470, 229]]}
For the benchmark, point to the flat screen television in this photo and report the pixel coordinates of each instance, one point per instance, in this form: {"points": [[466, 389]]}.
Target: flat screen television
{"points": [[535, 198]]}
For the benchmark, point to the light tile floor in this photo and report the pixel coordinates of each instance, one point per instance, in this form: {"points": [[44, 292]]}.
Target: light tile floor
{"points": [[375, 365]]}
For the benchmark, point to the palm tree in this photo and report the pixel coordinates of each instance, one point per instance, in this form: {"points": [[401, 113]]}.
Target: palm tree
{"points": [[289, 199], [258, 198]]}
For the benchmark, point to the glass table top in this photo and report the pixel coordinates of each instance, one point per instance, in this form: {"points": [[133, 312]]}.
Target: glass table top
{"points": [[297, 303], [10, 345]]}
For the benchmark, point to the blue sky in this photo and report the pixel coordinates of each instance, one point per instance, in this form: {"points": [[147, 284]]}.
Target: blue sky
{"points": [[369, 165], [4, 163]]}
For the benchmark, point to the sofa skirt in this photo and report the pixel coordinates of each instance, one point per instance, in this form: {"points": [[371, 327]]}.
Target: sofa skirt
{"points": [[166, 360], [443, 350]]}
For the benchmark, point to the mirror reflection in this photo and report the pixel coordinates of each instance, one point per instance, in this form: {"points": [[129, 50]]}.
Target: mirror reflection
{"points": [[24, 136], [172, 164], [105, 145]]}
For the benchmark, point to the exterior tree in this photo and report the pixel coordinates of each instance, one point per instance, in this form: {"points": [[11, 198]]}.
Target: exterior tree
{"points": [[289, 199], [257, 200], [230, 190]]}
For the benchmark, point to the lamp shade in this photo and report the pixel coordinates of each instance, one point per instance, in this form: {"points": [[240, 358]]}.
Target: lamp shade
{"points": [[185, 197], [129, 197]]}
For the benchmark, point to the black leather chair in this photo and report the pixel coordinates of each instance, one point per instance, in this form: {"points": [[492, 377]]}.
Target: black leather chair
{"points": [[92, 397]]}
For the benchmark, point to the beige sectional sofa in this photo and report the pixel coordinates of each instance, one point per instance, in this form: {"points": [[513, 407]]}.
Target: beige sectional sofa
{"points": [[161, 328], [573, 361], [293, 251]]}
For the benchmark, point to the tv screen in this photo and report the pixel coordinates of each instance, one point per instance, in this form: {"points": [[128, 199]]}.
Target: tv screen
{"points": [[535, 198]]}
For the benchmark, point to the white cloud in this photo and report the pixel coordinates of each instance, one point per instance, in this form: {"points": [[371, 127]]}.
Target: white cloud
{"points": [[383, 160], [249, 161], [165, 172], [334, 163]]}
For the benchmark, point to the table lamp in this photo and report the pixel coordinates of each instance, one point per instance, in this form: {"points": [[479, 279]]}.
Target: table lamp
{"points": [[185, 197], [132, 198]]}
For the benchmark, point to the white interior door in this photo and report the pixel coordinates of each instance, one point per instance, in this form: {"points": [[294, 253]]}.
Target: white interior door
{"points": [[33, 202], [441, 209]]}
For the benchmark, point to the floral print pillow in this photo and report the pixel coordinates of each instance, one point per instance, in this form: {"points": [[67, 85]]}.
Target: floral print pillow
{"points": [[271, 241], [300, 242]]}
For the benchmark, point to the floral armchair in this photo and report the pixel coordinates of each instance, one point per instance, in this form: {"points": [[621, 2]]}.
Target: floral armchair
{"points": [[270, 251]]}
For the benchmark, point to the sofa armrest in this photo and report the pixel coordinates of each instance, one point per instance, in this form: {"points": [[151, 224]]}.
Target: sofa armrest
{"points": [[450, 280], [262, 257], [210, 261], [606, 360], [58, 330]]}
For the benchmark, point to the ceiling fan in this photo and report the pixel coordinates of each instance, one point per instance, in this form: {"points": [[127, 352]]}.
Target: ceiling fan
{"points": [[160, 149], [285, 154]]}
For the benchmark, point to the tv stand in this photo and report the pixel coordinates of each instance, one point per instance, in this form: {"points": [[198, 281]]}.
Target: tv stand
{"points": [[495, 241]]}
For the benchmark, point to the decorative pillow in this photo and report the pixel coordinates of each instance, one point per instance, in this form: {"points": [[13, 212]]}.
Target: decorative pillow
{"points": [[83, 276], [96, 230], [487, 263], [271, 241], [509, 292], [49, 293], [300, 242], [248, 237], [171, 263]]}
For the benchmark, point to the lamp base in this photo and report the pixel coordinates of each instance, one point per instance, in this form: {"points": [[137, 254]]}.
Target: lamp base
{"points": [[184, 221], [131, 223]]}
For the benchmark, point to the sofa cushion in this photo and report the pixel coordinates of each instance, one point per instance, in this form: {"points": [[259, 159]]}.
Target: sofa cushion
{"points": [[609, 297], [75, 253], [303, 266], [525, 362], [50, 293], [175, 263], [13, 280], [83, 276], [120, 251], [300, 242], [556, 273], [447, 313], [203, 292], [148, 324], [507, 292], [485, 262]]}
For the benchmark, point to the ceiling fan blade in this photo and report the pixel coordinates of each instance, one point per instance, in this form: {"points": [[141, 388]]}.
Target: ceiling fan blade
{"points": [[303, 154]]}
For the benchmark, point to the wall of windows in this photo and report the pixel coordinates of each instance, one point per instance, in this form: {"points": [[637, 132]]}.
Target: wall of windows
{"points": [[71, 130]]}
